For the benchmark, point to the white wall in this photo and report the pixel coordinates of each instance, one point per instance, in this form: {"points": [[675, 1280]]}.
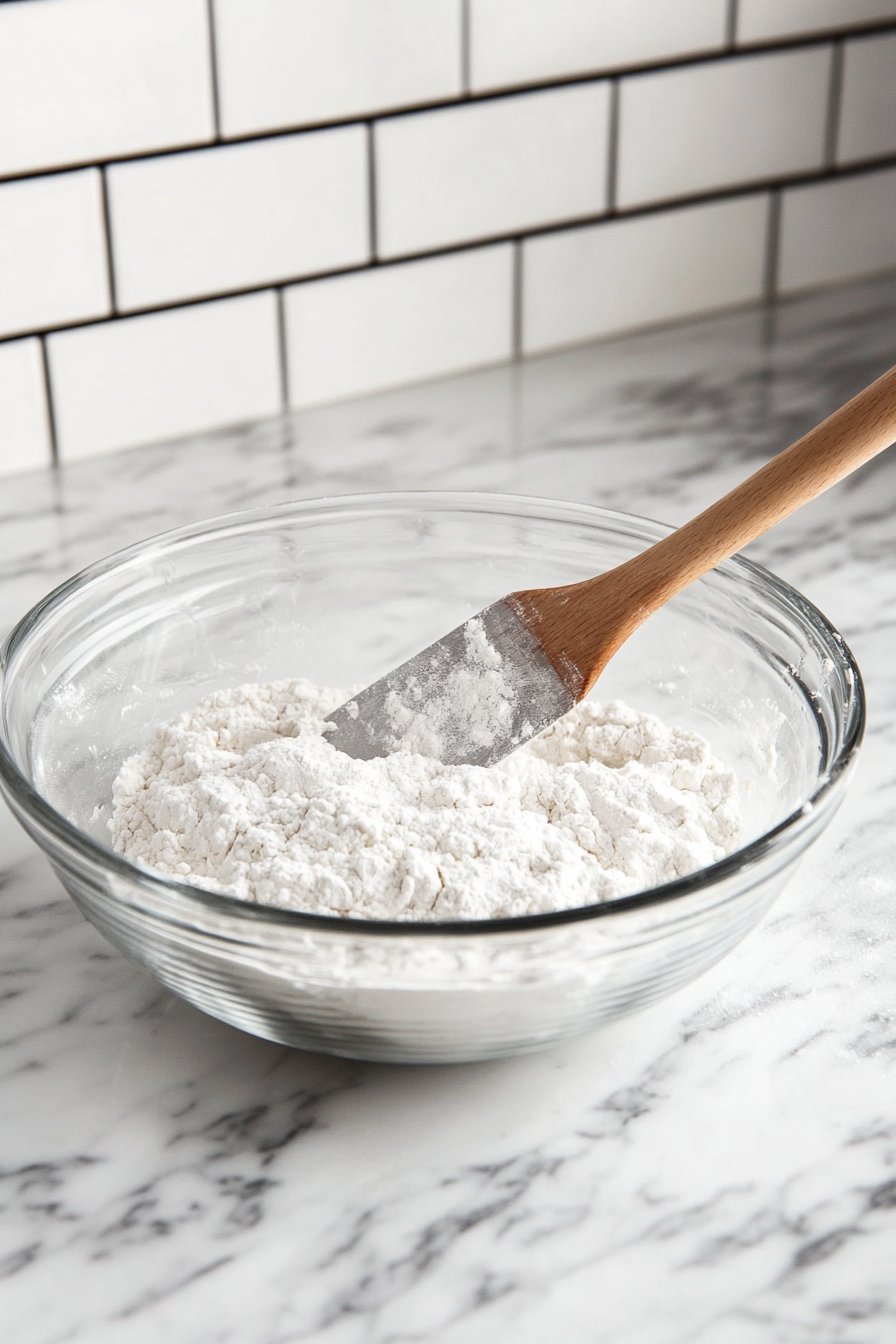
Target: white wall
{"points": [[211, 209]]}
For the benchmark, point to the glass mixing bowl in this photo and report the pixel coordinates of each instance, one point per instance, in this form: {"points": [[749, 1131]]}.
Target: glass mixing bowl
{"points": [[340, 590]]}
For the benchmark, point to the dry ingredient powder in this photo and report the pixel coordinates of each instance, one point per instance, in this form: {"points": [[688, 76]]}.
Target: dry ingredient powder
{"points": [[245, 796]]}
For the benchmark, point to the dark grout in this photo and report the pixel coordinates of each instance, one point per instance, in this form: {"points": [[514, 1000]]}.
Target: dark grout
{"points": [[51, 408], [613, 147], [516, 319], [716, 55], [282, 349], [772, 246], [213, 68], [110, 255], [465, 48], [835, 101], [843, 172], [372, 203], [731, 25]]}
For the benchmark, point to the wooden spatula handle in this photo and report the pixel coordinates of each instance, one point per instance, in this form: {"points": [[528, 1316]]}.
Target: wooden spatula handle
{"points": [[581, 625], [853, 434]]}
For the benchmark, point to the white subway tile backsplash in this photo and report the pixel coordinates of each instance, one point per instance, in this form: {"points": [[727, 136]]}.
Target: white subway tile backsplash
{"points": [[24, 422], [522, 41], [237, 216], [490, 168], [53, 267], [588, 282], [395, 324], [758, 20], [84, 80], [838, 230], [287, 62], [868, 106], [515, 215], [723, 123], [152, 377]]}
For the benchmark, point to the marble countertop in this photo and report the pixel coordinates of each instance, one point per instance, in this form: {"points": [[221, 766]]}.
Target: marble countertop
{"points": [[720, 1169]]}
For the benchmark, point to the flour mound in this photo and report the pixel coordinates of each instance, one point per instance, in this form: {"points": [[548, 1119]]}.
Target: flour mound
{"points": [[244, 795]]}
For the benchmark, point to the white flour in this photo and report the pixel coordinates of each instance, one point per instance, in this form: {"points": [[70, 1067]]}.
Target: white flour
{"points": [[244, 795]]}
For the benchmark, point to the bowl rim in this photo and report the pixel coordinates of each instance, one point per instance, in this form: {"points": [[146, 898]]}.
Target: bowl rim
{"points": [[25, 798]]}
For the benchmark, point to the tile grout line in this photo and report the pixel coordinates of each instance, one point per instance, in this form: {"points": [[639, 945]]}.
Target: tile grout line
{"points": [[612, 147], [51, 409], [281, 343], [516, 302], [731, 25], [110, 256], [772, 246], [513, 91], [835, 101], [465, 48], [213, 68], [768, 324], [742, 190], [372, 196]]}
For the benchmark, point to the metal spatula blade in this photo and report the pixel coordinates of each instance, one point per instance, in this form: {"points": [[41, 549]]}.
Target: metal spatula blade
{"points": [[504, 675], [469, 699]]}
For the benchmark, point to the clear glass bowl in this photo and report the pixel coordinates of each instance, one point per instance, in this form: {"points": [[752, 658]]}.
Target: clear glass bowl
{"points": [[340, 590]]}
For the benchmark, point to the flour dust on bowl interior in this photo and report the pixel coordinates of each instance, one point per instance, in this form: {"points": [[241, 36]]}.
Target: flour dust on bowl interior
{"points": [[339, 591]]}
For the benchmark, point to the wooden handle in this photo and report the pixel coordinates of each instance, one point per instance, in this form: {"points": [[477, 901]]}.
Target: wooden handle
{"points": [[581, 625], [856, 432]]}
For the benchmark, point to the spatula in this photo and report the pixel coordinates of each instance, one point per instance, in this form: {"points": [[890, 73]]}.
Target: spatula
{"points": [[504, 675]]}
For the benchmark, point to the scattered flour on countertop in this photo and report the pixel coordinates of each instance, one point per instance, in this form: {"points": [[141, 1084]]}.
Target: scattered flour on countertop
{"points": [[245, 796]]}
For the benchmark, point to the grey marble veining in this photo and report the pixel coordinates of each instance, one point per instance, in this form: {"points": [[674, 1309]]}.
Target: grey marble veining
{"points": [[718, 1170]]}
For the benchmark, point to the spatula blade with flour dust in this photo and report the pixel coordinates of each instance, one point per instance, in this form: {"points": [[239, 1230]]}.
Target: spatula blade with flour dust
{"points": [[469, 699], [490, 685]]}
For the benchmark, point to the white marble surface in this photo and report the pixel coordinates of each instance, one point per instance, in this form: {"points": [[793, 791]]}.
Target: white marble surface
{"points": [[718, 1170]]}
